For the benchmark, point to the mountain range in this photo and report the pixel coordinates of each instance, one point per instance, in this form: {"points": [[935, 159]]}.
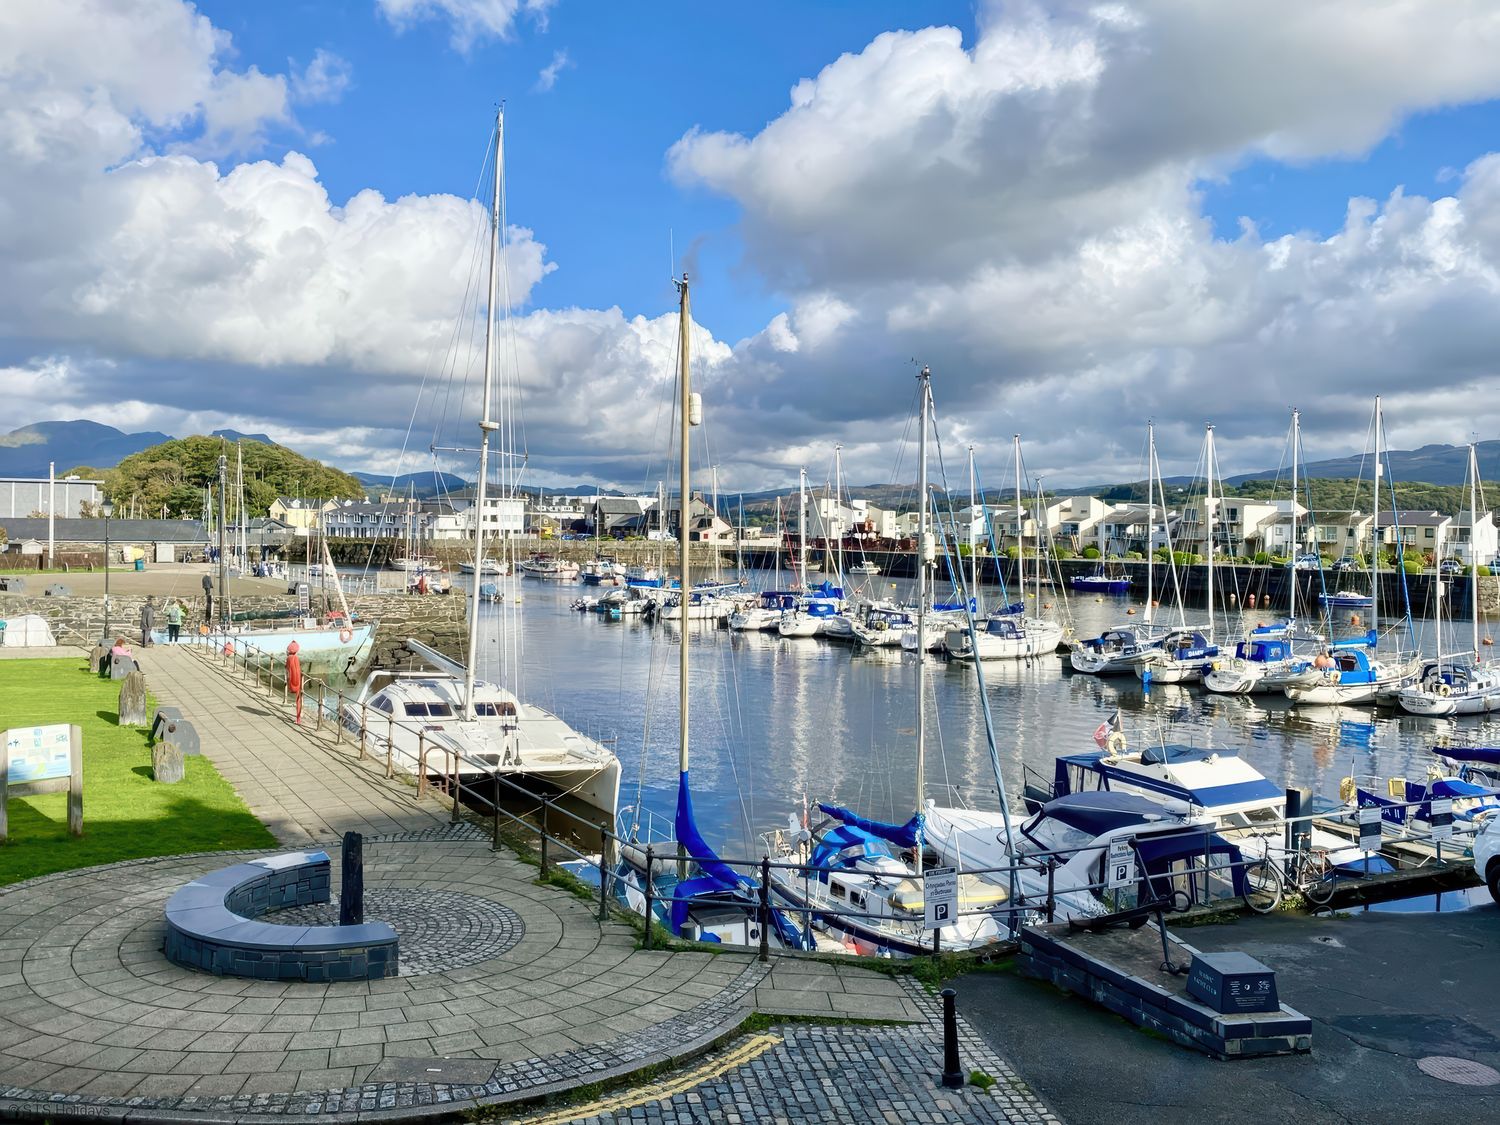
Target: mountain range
{"points": [[25, 452]]}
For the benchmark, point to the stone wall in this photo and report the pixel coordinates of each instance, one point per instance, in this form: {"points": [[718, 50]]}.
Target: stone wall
{"points": [[436, 620]]}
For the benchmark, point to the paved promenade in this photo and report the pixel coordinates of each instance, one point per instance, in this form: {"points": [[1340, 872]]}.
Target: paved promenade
{"points": [[510, 991]]}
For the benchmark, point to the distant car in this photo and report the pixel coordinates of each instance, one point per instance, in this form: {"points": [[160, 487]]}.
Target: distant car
{"points": [[1308, 562], [1487, 855], [1451, 566], [1346, 563]]}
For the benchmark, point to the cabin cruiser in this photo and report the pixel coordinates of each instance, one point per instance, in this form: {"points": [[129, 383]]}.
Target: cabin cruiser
{"points": [[1247, 808], [1005, 636], [1115, 652], [603, 571], [1406, 806], [420, 717], [548, 567], [490, 567], [1063, 844]]}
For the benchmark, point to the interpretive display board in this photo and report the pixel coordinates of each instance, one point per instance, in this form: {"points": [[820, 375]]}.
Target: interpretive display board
{"points": [[43, 760]]}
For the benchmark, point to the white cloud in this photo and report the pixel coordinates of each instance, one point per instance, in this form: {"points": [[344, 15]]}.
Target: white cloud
{"points": [[472, 20], [548, 76], [326, 78]]}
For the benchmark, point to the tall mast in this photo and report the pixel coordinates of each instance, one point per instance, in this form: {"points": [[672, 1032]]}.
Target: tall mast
{"points": [[1020, 544], [686, 410], [711, 532], [924, 554], [802, 524], [838, 502], [1150, 520], [487, 425], [1208, 508], [1473, 554], [1292, 588], [1375, 531], [243, 545], [973, 541], [223, 563]]}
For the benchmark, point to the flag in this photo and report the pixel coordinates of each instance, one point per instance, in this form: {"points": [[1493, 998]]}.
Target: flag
{"points": [[1106, 728]]}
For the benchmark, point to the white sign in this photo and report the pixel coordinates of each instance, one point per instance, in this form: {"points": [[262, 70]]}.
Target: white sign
{"points": [[940, 896], [37, 753], [1369, 828], [1119, 865], [304, 597], [1442, 818]]}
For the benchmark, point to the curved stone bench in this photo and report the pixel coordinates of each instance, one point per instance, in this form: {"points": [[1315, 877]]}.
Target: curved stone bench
{"points": [[213, 925]]}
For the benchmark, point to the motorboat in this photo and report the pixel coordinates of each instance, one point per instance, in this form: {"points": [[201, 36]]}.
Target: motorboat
{"points": [[492, 568], [1101, 583], [604, 570], [1407, 806], [548, 567], [1346, 599], [866, 568]]}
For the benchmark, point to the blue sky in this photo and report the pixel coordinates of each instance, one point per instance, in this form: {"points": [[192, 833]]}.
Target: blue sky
{"points": [[1040, 198]]}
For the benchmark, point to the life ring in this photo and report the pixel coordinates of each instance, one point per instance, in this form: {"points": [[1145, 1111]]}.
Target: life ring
{"points": [[1215, 666], [1115, 742], [1444, 690], [1346, 790], [203, 630], [881, 625], [1333, 675], [346, 635]]}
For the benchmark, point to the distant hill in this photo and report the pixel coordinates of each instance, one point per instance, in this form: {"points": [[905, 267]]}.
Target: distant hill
{"points": [[25, 452], [235, 435], [422, 485], [1431, 464]]}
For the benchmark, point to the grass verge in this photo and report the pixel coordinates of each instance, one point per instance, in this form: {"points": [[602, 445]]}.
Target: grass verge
{"points": [[126, 814]]}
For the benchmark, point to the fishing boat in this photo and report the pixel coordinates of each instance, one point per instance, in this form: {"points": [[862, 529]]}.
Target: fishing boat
{"points": [[451, 720], [548, 567], [604, 569], [866, 568], [1458, 683], [698, 895], [490, 568]]}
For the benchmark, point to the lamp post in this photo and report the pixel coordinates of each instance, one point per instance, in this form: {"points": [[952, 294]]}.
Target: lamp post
{"points": [[107, 508]]}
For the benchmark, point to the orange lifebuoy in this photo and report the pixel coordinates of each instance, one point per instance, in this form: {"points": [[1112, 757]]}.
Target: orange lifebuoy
{"points": [[346, 635]]}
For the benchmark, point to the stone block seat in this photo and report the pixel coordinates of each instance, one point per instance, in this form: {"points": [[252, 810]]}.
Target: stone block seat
{"points": [[213, 924]]}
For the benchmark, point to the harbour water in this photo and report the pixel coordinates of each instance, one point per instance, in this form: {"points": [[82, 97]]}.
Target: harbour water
{"points": [[778, 721]]}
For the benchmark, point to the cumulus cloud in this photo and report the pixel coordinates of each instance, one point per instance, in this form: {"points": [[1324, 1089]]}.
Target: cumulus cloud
{"points": [[325, 79], [548, 76], [472, 20]]}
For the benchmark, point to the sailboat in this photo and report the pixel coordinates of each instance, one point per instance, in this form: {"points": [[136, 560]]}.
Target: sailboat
{"points": [[1460, 683], [861, 879], [485, 728], [1009, 634], [700, 897]]}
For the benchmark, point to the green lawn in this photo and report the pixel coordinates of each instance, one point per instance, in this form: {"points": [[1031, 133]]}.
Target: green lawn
{"points": [[126, 815]]}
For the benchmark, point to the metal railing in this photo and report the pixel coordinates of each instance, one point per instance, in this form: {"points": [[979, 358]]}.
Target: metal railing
{"points": [[438, 765]]}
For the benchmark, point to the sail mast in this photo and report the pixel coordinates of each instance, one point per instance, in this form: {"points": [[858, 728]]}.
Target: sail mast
{"points": [[1375, 531], [1020, 544], [838, 501], [1208, 510], [973, 541], [685, 408], [1296, 442], [802, 523], [924, 553], [1473, 553], [1150, 521], [487, 425]]}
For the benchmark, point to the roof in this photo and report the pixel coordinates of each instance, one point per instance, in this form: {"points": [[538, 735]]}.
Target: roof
{"points": [[1422, 519], [1101, 812], [298, 502], [51, 480], [123, 531]]}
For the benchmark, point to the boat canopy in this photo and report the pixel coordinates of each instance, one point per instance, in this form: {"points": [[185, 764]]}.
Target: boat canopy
{"points": [[907, 835], [1487, 754], [1369, 640], [1101, 812], [1254, 789]]}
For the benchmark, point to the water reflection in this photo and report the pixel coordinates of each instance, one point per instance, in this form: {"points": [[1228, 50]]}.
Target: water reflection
{"points": [[778, 720]]}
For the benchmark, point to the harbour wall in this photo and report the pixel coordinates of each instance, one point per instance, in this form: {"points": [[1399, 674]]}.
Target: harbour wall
{"points": [[434, 619]]}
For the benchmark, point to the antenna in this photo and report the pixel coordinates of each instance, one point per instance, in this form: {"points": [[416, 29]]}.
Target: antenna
{"points": [[671, 257]]}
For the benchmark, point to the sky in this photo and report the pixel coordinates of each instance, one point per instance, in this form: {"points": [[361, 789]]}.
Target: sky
{"points": [[1082, 216]]}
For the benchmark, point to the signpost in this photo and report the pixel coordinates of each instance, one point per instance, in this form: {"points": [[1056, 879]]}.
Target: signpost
{"points": [[940, 896], [43, 760], [1442, 818], [1369, 829], [1119, 865]]}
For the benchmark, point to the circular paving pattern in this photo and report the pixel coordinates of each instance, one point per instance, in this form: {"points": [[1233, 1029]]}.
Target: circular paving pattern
{"points": [[1464, 1072], [439, 930]]}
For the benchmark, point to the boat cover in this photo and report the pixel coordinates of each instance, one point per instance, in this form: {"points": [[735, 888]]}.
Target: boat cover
{"points": [[907, 835]]}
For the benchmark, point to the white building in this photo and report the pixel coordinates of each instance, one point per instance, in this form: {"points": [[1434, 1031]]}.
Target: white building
{"points": [[21, 496]]}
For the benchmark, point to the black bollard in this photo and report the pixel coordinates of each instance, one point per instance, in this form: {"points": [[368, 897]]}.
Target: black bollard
{"points": [[953, 1078], [352, 885]]}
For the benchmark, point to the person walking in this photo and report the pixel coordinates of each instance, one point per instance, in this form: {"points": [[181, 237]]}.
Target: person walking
{"points": [[294, 675], [208, 599], [174, 621], [148, 620]]}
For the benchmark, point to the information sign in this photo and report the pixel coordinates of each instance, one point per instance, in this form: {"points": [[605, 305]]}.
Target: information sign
{"points": [[37, 753], [940, 896], [1442, 818], [1369, 829], [304, 597], [1119, 865]]}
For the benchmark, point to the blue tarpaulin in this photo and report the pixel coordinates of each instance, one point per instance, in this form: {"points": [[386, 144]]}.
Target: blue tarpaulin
{"points": [[907, 835]]}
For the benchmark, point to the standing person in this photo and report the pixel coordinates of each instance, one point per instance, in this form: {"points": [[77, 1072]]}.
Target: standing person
{"points": [[208, 600], [294, 674], [148, 620], [174, 621]]}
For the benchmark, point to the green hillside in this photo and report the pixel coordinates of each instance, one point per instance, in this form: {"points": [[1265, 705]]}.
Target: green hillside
{"points": [[171, 477]]}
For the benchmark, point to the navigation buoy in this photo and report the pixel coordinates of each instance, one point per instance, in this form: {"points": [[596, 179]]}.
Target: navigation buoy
{"points": [[1130, 613], [1488, 641], [1154, 603], [1250, 601], [1046, 605], [1233, 599]]}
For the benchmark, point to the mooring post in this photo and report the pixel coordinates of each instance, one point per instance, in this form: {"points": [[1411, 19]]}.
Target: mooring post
{"points": [[352, 881], [953, 1078], [650, 859], [605, 864], [765, 908], [542, 840]]}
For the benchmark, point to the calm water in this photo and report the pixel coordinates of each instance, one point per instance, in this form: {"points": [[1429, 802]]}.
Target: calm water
{"points": [[778, 721]]}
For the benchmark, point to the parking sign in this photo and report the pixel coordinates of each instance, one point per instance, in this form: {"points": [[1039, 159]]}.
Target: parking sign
{"points": [[1119, 865], [940, 896]]}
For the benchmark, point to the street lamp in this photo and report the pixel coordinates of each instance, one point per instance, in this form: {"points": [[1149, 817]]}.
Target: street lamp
{"points": [[107, 508]]}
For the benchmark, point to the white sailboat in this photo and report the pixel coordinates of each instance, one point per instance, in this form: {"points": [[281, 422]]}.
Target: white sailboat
{"points": [[430, 720], [1461, 683]]}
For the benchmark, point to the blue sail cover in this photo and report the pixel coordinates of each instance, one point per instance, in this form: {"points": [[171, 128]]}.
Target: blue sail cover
{"points": [[693, 843], [908, 835]]}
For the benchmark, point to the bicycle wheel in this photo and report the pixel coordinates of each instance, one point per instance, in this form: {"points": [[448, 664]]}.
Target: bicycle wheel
{"points": [[1318, 878], [1262, 886]]}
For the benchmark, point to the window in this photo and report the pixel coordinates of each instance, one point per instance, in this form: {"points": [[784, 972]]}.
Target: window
{"points": [[493, 709], [1428, 533], [837, 890], [439, 710]]}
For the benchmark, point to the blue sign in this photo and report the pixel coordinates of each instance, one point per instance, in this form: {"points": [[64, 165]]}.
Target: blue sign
{"points": [[37, 753]]}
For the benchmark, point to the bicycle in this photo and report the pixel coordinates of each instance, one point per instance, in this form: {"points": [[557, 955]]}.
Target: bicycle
{"points": [[1308, 872]]}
